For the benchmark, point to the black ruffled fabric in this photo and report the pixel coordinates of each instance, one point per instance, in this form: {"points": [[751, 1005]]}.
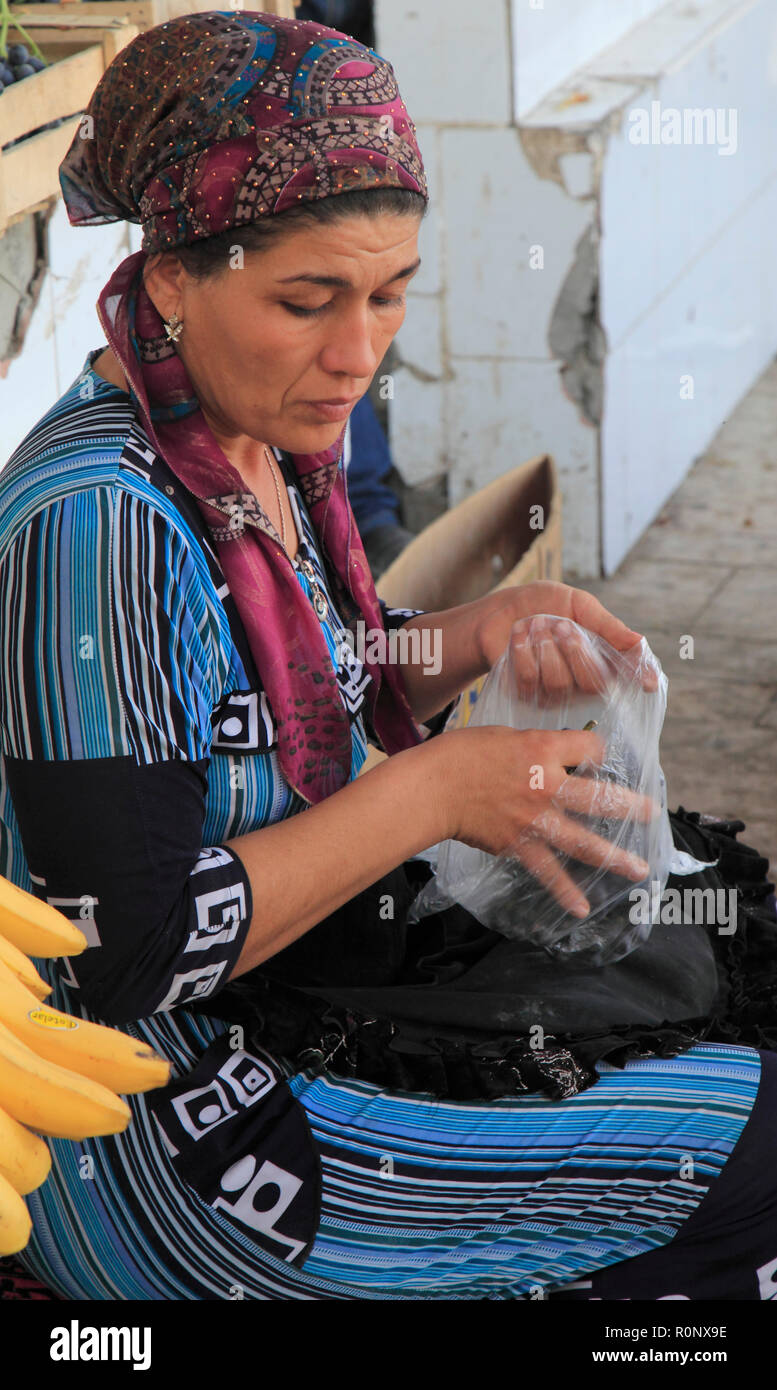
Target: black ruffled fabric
{"points": [[362, 997]]}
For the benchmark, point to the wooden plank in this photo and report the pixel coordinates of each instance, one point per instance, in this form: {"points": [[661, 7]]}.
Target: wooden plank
{"points": [[29, 173], [54, 16], [29, 170], [143, 13], [60, 90], [77, 31], [113, 40]]}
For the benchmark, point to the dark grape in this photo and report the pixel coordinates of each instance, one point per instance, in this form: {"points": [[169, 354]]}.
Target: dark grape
{"points": [[18, 65]]}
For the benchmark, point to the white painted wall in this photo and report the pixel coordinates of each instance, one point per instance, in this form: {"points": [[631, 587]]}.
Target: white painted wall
{"points": [[687, 279], [551, 38], [64, 325]]}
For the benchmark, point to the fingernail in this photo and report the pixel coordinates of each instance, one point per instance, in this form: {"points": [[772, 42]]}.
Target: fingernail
{"points": [[580, 907]]}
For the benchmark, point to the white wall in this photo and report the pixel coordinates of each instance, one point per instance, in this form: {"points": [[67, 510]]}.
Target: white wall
{"points": [[683, 279], [64, 324], [550, 38], [688, 274]]}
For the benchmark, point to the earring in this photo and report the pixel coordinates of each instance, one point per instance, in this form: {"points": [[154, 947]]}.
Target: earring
{"points": [[173, 328]]}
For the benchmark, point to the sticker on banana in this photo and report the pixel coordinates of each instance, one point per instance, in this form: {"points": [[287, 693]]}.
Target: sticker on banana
{"points": [[103, 1054]]}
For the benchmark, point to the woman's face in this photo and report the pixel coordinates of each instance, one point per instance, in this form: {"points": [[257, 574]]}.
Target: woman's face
{"points": [[307, 320]]}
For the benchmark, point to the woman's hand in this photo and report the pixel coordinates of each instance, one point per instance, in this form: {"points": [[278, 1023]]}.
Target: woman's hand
{"points": [[552, 660], [506, 791]]}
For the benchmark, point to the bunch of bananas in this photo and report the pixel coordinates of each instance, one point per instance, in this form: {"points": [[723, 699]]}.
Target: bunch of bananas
{"points": [[59, 1076]]}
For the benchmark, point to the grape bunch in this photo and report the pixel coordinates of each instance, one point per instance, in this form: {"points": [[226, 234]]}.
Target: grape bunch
{"points": [[20, 59], [18, 64]]}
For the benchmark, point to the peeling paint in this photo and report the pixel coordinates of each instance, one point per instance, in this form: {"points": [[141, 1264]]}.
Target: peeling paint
{"points": [[23, 266], [575, 334], [543, 146], [546, 145]]}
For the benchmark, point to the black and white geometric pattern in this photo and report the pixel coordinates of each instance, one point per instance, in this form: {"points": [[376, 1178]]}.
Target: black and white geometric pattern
{"points": [[243, 723], [352, 679], [218, 916], [237, 1135], [192, 984]]}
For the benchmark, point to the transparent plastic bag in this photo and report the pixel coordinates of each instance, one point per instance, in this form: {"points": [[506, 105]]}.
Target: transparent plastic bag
{"points": [[498, 890]]}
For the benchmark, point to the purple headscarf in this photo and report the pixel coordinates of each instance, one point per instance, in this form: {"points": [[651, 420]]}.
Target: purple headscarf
{"points": [[206, 123]]}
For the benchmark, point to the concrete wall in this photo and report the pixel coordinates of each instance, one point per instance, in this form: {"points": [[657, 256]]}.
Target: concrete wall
{"points": [[582, 294], [63, 326], [551, 38]]}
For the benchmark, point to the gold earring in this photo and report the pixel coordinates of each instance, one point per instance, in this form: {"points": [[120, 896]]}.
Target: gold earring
{"points": [[173, 328]]}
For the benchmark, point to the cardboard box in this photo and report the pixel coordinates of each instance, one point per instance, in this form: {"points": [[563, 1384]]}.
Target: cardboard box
{"points": [[508, 533]]}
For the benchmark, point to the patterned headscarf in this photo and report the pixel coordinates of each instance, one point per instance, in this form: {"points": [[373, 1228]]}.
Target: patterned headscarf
{"points": [[205, 123]]}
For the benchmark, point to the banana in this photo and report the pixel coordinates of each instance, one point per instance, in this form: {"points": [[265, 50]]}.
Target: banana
{"points": [[103, 1054], [25, 1161], [15, 1223], [23, 968], [53, 1100], [35, 927]]}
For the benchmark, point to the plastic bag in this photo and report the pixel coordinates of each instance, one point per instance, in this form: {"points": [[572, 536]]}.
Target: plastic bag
{"points": [[498, 890]]}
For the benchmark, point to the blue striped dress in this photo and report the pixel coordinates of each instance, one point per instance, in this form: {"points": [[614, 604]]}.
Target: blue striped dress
{"points": [[136, 740]]}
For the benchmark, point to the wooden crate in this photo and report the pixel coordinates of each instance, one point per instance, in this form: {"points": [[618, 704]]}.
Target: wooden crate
{"points": [[80, 50], [146, 13]]}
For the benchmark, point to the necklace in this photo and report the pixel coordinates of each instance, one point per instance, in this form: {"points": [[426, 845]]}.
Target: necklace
{"points": [[304, 566], [319, 601], [277, 494]]}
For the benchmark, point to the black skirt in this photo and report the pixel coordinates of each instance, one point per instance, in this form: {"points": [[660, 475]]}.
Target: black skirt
{"points": [[449, 1008]]}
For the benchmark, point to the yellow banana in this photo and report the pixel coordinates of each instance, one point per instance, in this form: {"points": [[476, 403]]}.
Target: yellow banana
{"points": [[25, 1161], [53, 1100], [23, 968], [15, 1223], [37, 928], [103, 1054]]}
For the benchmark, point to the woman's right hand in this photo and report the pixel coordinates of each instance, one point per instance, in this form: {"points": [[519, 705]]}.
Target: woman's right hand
{"points": [[507, 791]]}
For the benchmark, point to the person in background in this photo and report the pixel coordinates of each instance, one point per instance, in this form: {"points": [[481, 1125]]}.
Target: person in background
{"points": [[375, 504], [354, 17]]}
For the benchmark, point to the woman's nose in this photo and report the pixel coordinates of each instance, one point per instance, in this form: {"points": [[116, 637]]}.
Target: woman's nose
{"points": [[352, 348]]}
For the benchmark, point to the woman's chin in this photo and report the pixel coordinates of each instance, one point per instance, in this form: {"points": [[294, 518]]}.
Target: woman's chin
{"points": [[309, 439]]}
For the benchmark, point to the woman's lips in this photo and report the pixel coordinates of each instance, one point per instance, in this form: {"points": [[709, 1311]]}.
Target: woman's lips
{"points": [[327, 410]]}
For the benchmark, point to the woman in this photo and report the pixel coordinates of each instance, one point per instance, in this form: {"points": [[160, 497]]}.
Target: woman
{"points": [[180, 570]]}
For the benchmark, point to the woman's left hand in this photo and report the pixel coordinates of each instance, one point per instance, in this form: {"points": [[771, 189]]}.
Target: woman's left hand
{"points": [[557, 660]]}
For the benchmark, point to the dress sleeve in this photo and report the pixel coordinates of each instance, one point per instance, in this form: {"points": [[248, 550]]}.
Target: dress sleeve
{"points": [[107, 656], [395, 618]]}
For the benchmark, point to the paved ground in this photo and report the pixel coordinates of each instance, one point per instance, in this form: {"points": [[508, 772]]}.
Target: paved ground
{"points": [[707, 568]]}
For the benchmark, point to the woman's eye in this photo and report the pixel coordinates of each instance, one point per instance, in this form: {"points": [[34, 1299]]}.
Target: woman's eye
{"points": [[302, 312], [383, 302]]}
